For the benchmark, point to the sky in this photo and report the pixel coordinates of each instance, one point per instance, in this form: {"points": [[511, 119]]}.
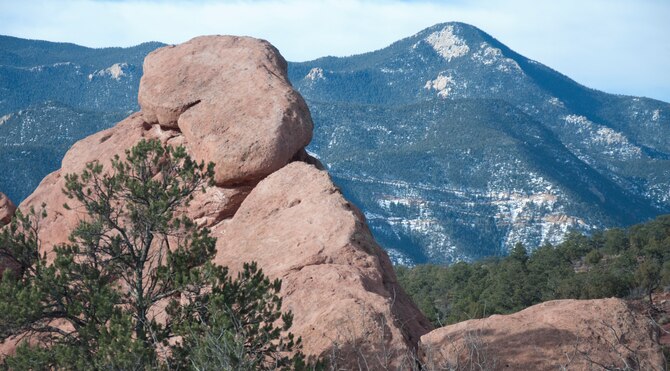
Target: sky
{"points": [[618, 46]]}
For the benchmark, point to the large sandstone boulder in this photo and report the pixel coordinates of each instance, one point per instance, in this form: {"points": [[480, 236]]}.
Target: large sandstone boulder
{"points": [[555, 335], [249, 121], [228, 100], [231, 99], [338, 282]]}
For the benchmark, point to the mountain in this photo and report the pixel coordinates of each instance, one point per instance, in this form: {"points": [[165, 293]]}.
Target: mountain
{"points": [[53, 94], [228, 100], [456, 147]]}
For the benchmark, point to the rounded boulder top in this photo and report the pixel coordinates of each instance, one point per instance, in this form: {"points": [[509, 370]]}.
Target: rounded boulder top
{"points": [[231, 99]]}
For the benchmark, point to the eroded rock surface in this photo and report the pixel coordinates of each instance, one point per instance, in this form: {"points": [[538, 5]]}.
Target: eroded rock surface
{"points": [[232, 101], [7, 210], [227, 100], [337, 281], [560, 334]]}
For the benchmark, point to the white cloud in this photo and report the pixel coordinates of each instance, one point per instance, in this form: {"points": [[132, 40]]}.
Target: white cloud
{"points": [[615, 45]]}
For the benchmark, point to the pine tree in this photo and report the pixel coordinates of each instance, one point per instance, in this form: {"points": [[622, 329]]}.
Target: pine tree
{"points": [[134, 255]]}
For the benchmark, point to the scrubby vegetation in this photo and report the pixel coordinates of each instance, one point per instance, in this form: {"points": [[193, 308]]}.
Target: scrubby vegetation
{"points": [[623, 263]]}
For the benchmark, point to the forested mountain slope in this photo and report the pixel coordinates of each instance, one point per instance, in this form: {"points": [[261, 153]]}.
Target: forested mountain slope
{"points": [[53, 94], [456, 147]]}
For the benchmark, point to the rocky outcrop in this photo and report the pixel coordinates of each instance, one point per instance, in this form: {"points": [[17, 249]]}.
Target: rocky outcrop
{"points": [[336, 280], [561, 334], [102, 146], [232, 101], [7, 209], [227, 100]]}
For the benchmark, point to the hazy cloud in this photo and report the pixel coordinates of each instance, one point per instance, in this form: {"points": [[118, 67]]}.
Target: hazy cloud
{"points": [[618, 46]]}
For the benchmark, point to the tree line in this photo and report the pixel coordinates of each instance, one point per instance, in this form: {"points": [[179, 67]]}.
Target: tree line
{"points": [[624, 263]]}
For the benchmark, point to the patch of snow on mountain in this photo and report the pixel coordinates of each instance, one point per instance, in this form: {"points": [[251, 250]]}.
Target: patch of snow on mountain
{"points": [[534, 219], [447, 44], [489, 56], [389, 70], [315, 74], [533, 215], [442, 84], [399, 258], [508, 65], [43, 68], [556, 102], [606, 140], [660, 193], [656, 115], [609, 136], [115, 71], [421, 221], [315, 155], [5, 118]]}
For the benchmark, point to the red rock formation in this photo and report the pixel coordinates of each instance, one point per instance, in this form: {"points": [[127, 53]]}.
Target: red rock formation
{"points": [[561, 334], [337, 281], [232, 101], [228, 100]]}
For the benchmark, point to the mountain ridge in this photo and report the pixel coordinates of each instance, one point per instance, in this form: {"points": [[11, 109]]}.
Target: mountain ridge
{"points": [[450, 62], [474, 116], [26, 48]]}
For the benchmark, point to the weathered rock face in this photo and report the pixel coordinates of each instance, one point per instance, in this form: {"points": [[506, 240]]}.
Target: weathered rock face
{"points": [[232, 101], [337, 281], [7, 209], [227, 100], [561, 334]]}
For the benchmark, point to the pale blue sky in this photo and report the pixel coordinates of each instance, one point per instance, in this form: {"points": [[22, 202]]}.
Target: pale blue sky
{"points": [[619, 46]]}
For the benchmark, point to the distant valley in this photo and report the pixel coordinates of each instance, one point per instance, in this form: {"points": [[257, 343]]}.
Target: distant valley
{"points": [[454, 146]]}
